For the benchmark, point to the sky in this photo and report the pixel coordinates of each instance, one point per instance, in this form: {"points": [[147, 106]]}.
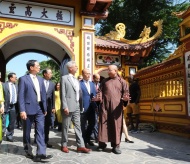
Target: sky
{"points": [[18, 63]]}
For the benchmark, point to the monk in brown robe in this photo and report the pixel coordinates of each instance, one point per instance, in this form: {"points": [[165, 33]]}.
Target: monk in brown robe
{"points": [[112, 92]]}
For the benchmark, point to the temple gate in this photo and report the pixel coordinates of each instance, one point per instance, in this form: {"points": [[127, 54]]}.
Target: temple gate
{"points": [[63, 30]]}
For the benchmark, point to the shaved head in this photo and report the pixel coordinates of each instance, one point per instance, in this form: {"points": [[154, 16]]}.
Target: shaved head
{"points": [[113, 67], [112, 71]]}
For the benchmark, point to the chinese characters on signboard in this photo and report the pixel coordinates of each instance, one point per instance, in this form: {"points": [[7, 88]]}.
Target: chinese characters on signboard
{"points": [[37, 12], [187, 67], [88, 51]]}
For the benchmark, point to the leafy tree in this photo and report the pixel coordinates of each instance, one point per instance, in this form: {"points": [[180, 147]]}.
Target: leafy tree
{"points": [[53, 66], [135, 14]]}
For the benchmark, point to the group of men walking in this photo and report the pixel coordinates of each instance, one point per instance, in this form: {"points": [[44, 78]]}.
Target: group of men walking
{"points": [[94, 109], [79, 102], [35, 103]]}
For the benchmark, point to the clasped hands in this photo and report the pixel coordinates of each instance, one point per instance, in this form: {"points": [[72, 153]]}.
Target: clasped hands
{"points": [[97, 98]]}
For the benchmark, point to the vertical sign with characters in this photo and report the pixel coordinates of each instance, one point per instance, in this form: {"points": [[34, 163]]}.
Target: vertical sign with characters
{"points": [[88, 51]]}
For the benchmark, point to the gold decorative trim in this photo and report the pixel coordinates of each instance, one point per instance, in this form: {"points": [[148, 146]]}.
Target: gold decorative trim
{"points": [[69, 34], [178, 52], [9, 25], [120, 31]]}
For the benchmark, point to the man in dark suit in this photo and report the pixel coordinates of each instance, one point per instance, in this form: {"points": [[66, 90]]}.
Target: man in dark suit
{"points": [[10, 91], [70, 106], [33, 108], [88, 117], [96, 81], [50, 89]]}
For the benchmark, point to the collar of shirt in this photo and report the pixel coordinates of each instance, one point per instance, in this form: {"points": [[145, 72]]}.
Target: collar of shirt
{"points": [[86, 81], [32, 76], [46, 80], [10, 83], [71, 75]]}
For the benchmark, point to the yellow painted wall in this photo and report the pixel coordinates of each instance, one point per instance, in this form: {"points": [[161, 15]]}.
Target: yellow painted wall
{"points": [[47, 30]]}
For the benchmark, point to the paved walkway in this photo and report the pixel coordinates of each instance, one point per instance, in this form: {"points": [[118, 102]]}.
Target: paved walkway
{"points": [[149, 148]]}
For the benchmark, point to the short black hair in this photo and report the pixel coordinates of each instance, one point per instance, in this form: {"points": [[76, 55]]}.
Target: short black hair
{"points": [[45, 71], [30, 63], [11, 75]]}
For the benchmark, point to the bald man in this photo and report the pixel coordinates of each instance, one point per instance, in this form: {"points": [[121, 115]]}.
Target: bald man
{"points": [[113, 91], [88, 117]]}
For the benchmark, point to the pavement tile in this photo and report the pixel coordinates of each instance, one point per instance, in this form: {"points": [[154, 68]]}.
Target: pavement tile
{"points": [[148, 148]]}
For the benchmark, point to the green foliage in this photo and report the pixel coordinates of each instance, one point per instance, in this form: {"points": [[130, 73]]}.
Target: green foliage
{"points": [[135, 14], [53, 66]]}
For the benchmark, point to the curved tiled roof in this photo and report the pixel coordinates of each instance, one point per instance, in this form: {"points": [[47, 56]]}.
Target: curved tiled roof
{"points": [[181, 14], [115, 44]]}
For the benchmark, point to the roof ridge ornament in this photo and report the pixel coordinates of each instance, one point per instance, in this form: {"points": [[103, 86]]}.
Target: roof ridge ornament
{"points": [[143, 38]]}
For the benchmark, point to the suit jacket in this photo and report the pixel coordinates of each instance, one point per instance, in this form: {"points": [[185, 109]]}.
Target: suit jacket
{"points": [[50, 96], [86, 96], [68, 94], [6, 92], [27, 95]]}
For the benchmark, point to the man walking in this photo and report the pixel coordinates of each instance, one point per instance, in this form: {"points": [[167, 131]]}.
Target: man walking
{"points": [[70, 106], [10, 91], [50, 96], [112, 92], [33, 108], [88, 117], [96, 81]]}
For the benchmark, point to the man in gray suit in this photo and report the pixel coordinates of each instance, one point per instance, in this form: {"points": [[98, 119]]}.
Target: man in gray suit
{"points": [[10, 94], [70, 97]]}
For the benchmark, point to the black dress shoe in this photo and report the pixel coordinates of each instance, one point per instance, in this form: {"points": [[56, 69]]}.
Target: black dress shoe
{"points": [[19, 127], [49, 145], [91, 143], [102, 147], [42, 157], [31, 156], [10, 140], [128, 141], [116, 150]]}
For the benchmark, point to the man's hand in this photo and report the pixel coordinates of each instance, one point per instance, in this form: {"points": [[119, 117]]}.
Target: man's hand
{"points": [[45, 113], [2, 110], [23, 115], [95, 99], [66, 111], [126, 97], [53, 111]]}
